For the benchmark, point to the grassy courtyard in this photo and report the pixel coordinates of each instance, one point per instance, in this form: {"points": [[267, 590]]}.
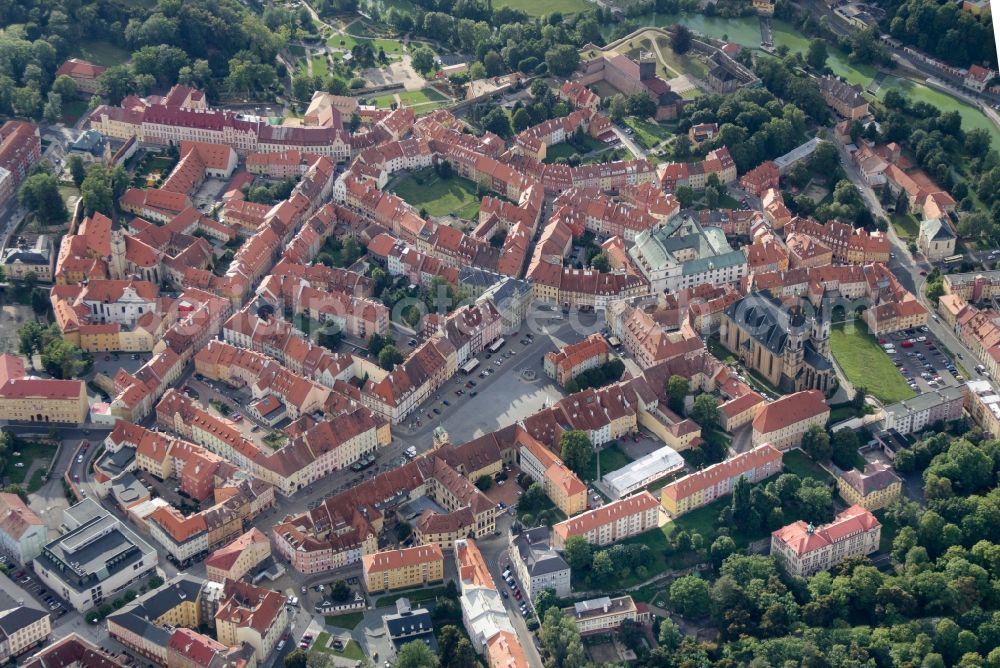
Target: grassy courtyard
{"points": [[100, 52], [647, 133], [612, 459], [414, 596], [800, 464], [425, 190], [547, 7], [348, 620], [865, 364], [28, 453]]}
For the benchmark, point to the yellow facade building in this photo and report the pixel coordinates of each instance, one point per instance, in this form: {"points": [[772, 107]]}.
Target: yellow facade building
{"points": [[401, 569], [39, 399], [875, 488]]}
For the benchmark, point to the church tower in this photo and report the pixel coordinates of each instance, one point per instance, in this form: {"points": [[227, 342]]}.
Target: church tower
{"points": [[440, 437], [117, 264]]}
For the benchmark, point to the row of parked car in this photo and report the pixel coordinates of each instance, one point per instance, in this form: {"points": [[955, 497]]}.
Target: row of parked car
{"points": [[516, 591]]}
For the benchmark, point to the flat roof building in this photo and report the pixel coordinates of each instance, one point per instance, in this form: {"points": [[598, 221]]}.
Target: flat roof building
{"points": [[643, 472], [97, 557]]}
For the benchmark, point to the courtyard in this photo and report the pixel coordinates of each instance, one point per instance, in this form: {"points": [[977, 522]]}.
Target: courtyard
{"points": [[425, 190]]}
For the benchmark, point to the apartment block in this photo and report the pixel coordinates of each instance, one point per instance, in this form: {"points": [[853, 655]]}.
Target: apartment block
{"points": [[705, 486], [400, 569], [611, 522]]}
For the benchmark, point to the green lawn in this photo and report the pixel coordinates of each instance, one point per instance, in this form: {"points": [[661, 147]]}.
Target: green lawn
{"points": [[866, 364], [682, 64], [802, 465], [425, 190], [906, 226], [347, 620], [37, 480], [566, 150], [612, 459], [412, 98], [718, 350], [414, 595], [647, 133], [73, 110], [30, 451], [101, 52], [546, 7], [392, 47], [320, 66], [66, 192], [352, 650]]}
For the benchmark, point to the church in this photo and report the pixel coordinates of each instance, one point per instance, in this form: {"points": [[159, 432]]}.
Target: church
{"points": [[788, 347]]}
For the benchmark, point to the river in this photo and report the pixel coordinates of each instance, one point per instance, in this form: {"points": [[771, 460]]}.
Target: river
{"points": [[745, 31]]}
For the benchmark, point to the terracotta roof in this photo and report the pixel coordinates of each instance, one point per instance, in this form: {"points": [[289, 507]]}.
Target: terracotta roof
{"points": [[789, 410], [725, 470], [393, 559], [802, 538], [606, 514]]}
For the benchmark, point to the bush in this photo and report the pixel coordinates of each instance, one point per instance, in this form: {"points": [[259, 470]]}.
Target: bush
{"points": [[356, 83]]}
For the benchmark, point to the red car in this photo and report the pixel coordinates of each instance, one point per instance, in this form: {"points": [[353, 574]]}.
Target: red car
{"points": [[906, 344]]}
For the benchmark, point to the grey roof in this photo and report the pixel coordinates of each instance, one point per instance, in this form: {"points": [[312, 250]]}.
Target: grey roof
{"points": [[127, 489], [38, 253], [90, 141], [478, 277], [535, 550], [116, 462], [927, 400], [95, 546], [657, 248], [800, 152], [141, 627], [407, 627], [842, 90], [936, 229], [15, 619], [875, 478]]}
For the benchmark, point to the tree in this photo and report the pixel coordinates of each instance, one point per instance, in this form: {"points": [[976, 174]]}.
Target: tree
{"points": [[561, 638], [115, 83], [497, 122], [415, 654], [577, 552], [685, 196], [318, 660], [532, 499], [680, 38], [705, 411], [722, 547], [389, 356], [617, 107], [601, 566], [31, 339], [302, 86], [600, 262], [689, 597], [66, 87], [670, 635], [297, 658], [520, 119], [817, 54], [816, 443], [340, 591], [845, 444], [423, 59], [712, 197], [546, 599], [76, 169], [677, 389], [53, 110], [576, 450], [97, 191], [858, 400], [484, 482], [741, 506], [562, 59], [40, 194]]}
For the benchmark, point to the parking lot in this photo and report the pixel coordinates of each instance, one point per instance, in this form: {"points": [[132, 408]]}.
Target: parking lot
{"points": [[26, 579], [921, 359]]}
